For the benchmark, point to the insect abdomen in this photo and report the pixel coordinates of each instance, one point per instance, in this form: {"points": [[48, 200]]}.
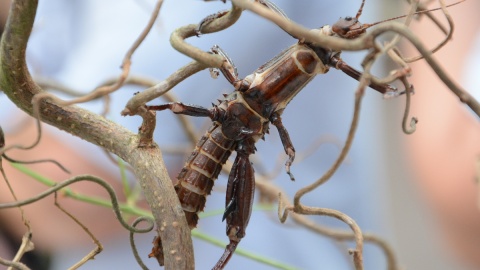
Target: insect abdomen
{"points": [[196, 179]]}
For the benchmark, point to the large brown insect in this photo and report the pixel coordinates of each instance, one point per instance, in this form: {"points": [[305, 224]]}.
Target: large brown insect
{"points": [[243, 117]]}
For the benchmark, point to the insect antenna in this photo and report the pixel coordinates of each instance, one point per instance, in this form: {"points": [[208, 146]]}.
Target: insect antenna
{"points": [[368, 25], [360, 10]]}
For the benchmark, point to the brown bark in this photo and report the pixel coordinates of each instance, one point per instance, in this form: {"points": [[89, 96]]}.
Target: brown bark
{"points": [[17, 84]]}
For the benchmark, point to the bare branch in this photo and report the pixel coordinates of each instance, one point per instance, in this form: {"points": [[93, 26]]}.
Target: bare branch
{"points": [[18, 85], [153, 92], [16, 265], [365, 42], [177, 39]]}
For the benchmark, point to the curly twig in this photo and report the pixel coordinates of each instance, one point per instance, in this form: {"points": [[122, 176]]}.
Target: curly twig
{"points": [[147, 163], [269, 192], [302, 33], [27, 244], [155, 86], [299, 208], [132, 241], [22, 147], [448, 33], [413, 120], [177, 39], [105, 90], [159, 89], [365, 42], [90, 178], [4, 155], [58, 164], [203, 59], [463, 95]]}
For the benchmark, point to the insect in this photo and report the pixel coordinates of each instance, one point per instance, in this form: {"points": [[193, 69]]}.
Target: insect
{"points": [[243, 117]]}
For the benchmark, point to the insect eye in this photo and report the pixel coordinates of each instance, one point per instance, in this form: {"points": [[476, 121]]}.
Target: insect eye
{"points": [[348, 18]]}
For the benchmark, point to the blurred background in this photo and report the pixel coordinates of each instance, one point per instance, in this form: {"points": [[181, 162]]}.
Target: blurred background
{"points": [[415, 191]]}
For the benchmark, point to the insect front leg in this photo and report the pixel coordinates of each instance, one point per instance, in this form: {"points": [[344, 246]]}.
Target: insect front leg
{"points": [[338, 63], [228, 69], [239, 200], [276, 120], [214, 113]]}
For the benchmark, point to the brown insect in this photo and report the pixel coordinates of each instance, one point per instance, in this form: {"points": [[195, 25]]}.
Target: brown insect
{"points": [[243, 117]]}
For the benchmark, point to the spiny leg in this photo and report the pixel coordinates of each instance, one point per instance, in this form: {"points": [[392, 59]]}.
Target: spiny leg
{"points": [[214, 113], [228, 69], [273, 7], [276, 120], [239, 200], [209, 19]]}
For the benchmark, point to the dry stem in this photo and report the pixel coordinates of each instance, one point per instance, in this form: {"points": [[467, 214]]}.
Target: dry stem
{"points": [[18, 85]]}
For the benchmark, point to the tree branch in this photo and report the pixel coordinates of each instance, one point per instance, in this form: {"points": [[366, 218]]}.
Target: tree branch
{"points": [[16, 82]]}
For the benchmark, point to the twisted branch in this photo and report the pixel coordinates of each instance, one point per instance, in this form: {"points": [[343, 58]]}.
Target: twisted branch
{"points": [[17, 84]]}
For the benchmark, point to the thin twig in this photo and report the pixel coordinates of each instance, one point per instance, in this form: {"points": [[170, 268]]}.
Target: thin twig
{"points": [[88, 178], [91, 255], [158, 90], [132, 241], [15, 265], [22, 147], [169, 97], [58, 164], [105, 90], [449, 32], [26, 246], [365, 42], [147, 163], [413, 120]]}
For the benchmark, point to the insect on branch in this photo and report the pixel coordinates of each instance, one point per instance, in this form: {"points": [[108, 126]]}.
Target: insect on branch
{"points": [[239, 120]]}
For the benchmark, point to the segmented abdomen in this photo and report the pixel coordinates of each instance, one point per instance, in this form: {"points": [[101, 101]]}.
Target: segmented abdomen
{"points": [[196, 179]]}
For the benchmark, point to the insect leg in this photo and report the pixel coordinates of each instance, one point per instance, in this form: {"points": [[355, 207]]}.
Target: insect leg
{"points": [[350, 71], [273, 7], [228, 69], [239, 200], [209, 19], [276, 120], [192, 110]]}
